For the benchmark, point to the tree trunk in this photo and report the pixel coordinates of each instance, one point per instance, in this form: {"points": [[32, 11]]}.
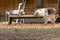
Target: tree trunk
{"points": [[40, 3]]}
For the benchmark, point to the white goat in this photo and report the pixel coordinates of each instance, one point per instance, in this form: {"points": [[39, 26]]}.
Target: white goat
{"points": [[44, 11], [18, 11], [41, 12], [47, 13]]}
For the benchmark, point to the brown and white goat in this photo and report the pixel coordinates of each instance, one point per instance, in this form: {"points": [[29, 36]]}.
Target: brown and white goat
{"points": [[51, 18]]}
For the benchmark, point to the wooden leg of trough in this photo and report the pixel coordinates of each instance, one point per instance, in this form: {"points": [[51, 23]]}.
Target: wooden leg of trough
{"points": [[9, 21], [23, 21]]}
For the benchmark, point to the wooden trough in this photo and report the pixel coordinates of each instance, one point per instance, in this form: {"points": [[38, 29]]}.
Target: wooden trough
{"points": [[21, 17]]}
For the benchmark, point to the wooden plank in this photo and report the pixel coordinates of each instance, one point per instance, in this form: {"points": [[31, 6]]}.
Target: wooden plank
{"points": [[22, 16]]}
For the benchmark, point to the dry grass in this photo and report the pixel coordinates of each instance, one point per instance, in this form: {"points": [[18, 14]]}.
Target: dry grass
{"points": [[29, 32], [23, 26]]}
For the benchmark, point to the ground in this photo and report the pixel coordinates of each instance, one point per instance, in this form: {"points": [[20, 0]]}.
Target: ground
{"points": [[29, 31], [29, 25]]}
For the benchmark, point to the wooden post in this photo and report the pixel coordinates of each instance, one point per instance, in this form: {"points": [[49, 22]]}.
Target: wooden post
{"points": [[59, 7], [9, 21]]}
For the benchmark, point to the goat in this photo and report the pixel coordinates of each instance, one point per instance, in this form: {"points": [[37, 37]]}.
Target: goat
{"points": [[18, 11], [44, 11], [49, 14], [41, 12], [51, 18]]}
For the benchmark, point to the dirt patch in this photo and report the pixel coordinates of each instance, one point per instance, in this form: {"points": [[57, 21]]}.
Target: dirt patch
{"points": [[29, 34], [32, 25]]}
